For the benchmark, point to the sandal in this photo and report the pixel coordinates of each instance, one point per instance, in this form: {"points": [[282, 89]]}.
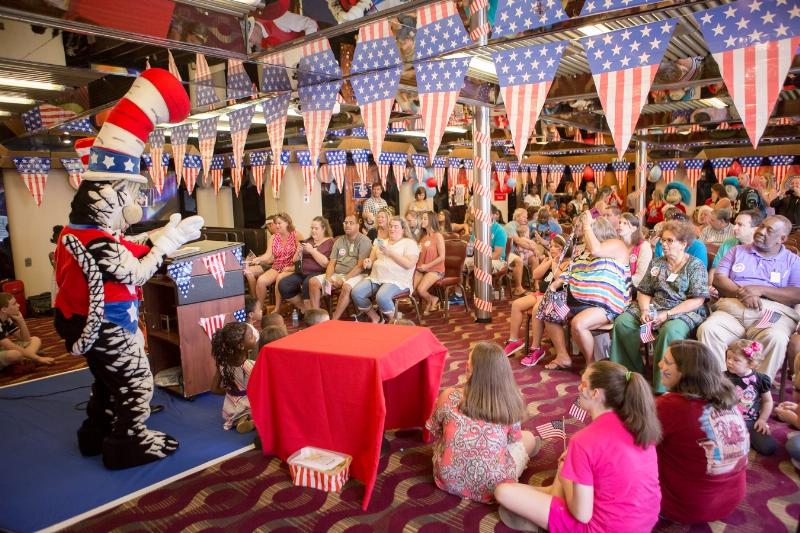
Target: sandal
{"points": [[554, 365]]}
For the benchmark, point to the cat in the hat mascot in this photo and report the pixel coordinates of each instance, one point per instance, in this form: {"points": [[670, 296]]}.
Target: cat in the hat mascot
{"points": [[99, 274]]}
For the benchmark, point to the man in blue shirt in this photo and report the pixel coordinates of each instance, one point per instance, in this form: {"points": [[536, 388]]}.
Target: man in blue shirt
{"points": [[498, 238]]}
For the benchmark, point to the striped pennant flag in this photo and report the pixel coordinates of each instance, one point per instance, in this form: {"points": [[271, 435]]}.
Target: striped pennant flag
{"points": [[600, 139], [179, 136], [274, 74], [420, 163], [215, 264], [439, 166], [44, 117], [217, 166], [552, 430], [599, 171], [620, 169], [439, 30], [74, 169], [276, 111], [399, 162], [577, 174], [578, 137], [319, 80], [211, 324], [578, 412], [694, 171], [309, 169], [501, 167], [721, 166], [277, 170], [753, 42], [157, 172], [239, 120], [780, 167], [375, 77], [239, 83], [191, 169], [361, 161], [34, 171], [337, 163], [172, 67], [82, 125], [469, 166], [207, 138], [557, 172], [623, 65], [453, 168], [514, 172], [525, 75], [668, 169], [205, 93], [384, 164], [767, 319], [515, 16], [750, 165], [258, 165], [646, 332]]}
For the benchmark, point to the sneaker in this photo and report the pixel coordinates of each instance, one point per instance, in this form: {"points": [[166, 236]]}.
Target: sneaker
{"points": [[456, 299], [533, 357], [513, 346]]}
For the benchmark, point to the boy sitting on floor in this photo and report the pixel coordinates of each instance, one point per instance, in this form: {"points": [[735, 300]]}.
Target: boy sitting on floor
{"points": [[16, 343]]}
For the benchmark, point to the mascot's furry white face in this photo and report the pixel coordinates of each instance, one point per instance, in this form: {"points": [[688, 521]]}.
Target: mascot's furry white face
{"points": [[673, 197], [112, 205]]}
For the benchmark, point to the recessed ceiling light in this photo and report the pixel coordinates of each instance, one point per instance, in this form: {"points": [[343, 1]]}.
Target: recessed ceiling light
{"points": [[27, 84]]}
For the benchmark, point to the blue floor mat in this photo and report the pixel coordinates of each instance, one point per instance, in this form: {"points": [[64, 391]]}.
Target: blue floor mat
{"points": [[45, 480]]}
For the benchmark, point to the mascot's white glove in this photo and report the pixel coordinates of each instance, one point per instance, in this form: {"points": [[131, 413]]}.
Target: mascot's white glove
{"points": [[177, 232], [356, 12]]}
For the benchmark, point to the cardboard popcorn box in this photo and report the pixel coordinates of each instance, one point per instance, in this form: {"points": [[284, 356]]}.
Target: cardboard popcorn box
{"points": [[319, 469]]}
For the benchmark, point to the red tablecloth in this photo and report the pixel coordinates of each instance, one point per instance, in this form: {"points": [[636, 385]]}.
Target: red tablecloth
{"points": [[338, 385]]}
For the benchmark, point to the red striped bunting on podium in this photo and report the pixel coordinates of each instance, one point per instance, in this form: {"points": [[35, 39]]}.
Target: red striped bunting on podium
{"points": [[211, 324], [215, 264]]}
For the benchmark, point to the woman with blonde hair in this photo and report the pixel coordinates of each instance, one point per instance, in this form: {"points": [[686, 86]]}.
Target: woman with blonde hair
{"points": [[430, 265], [479, 442]]}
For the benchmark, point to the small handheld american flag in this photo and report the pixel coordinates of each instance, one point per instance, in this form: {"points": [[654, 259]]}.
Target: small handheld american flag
{"points": [[646, 332], [553, 429], [768, 318], [576, 411]]}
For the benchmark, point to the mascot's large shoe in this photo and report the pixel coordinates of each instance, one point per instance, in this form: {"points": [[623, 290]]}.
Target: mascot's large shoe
{"points": [[99, 273]]}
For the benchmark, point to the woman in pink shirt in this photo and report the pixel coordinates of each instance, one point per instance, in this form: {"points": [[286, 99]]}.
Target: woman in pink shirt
{"points": [[607, 480]]}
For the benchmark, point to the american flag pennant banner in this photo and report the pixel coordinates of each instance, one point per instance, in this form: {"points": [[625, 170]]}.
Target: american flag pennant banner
{"points": [[239, 83], [179, 136], [439, 30], [623, 65], [578, 136], [74, 169], [694, 171], [557, 172], [309, 169], [780, 167], [181, 274], [646, 332], [753, 43], [205, 93], [769, 318], [276, 111], [172, 67], [375, 77], [552, 430], [191, 169], [501, 167], [157, 172], [514, 171], [319, 80], [439, 166], [237, 253], [420, 163], [600, 139], [361, 161], [207, 138], [620, 169], [277, 170], [211, 324], [668, 169], [525, 75], [274, 74], [578, 412], [258, 165], [240, 120], [240, 315], [721, 166], [82, 125], [599, 171], [469, 165], [34, 171], [453, 168], [337, 163], [217, 166], [577, 174], [384, 164], [399, 162], [44, 117], [215, 264], [601, 6], [439, 83], [515, 16], [750, 165]]}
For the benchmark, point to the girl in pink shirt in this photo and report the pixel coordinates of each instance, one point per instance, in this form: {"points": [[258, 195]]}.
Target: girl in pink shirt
{"points": [[607, 480]]}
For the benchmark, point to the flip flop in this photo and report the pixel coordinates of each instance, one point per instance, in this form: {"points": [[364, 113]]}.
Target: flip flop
{"points": [[552, 365]]}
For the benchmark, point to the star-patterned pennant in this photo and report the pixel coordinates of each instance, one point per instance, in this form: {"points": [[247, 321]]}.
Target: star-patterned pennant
{"points": [[191, 169], [74, 169], [439, 30], [750, 165], [668, 169], [82, 125], [375, 77], [453, 168], [239, 83], [45, 117], [753, 43], [34, 171], [515, 16], [157, 172], [577, 174], [599, 170], [384, 164], [623, 65], [399, 161], [439, 166], [420, 163], [438, 83], [557, 172], [721, 166], [780, 168], [694, 171], [179, 136], [181, 274], [361, 161], [277, 170], [240, 120], [205, 93], [240, 315], [319, 81], [275, 112], [592, 7], [620, 169], [258, 165], [469, 166], [525, 75], [207, 138], [309, 168], [274, 74], [337, 163], [217, 166]]}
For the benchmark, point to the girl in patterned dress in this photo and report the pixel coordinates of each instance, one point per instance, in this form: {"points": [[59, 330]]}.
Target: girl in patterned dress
{"points": [[230, 347], [478, 439]]}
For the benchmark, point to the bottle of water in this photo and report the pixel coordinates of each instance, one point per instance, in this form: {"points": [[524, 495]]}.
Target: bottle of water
{"points": [[652, 312], [295, 318]]}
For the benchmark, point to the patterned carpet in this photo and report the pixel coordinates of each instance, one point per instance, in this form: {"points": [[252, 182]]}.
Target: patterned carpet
{"points": [[251, 492]]}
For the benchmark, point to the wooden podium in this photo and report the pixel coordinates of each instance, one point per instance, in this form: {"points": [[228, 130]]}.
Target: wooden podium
{"points": [[182, 292]]}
